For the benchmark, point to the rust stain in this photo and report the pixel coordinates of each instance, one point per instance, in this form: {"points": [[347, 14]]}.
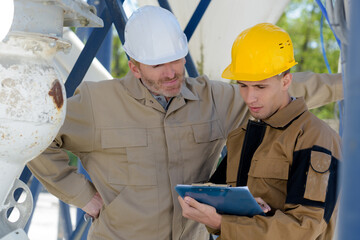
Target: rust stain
{"points": [[56, 93], [33, 144]]}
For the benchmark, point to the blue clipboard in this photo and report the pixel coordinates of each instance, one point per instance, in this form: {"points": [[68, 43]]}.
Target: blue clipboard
{"points": [[227, 200]]}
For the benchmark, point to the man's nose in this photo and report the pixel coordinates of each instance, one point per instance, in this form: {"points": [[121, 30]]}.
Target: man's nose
{"points": [[251, 96], [169, 71]]}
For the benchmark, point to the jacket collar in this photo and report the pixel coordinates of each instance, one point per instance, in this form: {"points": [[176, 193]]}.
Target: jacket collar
{"points": [[286, 115], [137, 90]]}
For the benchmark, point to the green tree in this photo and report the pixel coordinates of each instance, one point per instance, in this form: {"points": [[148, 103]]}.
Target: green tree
{"points": [[301, 19], [119, 63]]}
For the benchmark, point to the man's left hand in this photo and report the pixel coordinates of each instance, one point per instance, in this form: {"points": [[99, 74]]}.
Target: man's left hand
{"points": [[199, 212], [93, 207]]}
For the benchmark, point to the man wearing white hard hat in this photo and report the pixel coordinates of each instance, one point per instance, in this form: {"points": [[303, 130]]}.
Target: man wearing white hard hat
{"points": [[140, 136]]}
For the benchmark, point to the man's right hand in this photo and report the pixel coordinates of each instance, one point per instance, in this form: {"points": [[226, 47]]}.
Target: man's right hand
{"points": [[93, 207]]}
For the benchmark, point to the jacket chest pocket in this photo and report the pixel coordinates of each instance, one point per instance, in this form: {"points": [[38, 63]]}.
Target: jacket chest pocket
{"points": [[207, 132], [129, 156], [268, 179], [203, 153], [271, 168]]}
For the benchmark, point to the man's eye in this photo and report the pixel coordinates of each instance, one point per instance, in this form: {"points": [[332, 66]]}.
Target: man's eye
{"points": [[157, 65], [261, 87], [242, 85]]}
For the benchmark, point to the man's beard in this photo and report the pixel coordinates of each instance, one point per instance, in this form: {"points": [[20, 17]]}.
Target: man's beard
{"points": [[156, 87]]}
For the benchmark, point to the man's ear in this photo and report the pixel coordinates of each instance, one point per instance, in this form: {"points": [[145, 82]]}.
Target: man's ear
{"points": [[134, 69], [286, 81]]}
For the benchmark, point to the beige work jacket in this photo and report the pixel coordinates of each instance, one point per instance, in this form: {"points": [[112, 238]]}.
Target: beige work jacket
{"points": [[295, 170], [136, 152]]}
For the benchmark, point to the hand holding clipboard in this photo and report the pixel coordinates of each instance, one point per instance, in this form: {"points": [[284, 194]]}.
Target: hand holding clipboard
{"points": [[226, 200]]}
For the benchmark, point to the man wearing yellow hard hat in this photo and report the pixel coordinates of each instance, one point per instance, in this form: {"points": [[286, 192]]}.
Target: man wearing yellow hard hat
{"points": [[284, 154]]}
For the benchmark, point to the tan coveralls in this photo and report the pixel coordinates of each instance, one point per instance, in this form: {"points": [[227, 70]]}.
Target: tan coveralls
{"points": [[136, 152]]}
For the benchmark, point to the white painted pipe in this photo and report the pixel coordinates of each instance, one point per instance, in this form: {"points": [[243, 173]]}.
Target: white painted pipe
{"points": [[32, 103]]}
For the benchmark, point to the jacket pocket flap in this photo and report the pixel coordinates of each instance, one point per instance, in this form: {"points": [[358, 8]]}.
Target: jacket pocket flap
{"points": [[270, 168], [318, 176], [207, 132], [320, 161], [129, 137]]}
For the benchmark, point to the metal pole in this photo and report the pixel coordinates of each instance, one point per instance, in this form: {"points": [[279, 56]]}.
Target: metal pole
{"points": [[82, 228], [35, 189], [65, 219], [349, 213]]}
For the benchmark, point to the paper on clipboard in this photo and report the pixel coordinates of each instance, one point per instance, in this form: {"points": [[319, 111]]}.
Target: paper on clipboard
{"points": [[227, 200]]}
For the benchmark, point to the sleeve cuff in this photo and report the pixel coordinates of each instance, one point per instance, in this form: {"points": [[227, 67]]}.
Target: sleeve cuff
{"points": [[84, 196], [213, 231]]}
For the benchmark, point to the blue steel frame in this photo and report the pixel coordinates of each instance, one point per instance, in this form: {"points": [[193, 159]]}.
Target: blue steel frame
{"points": [[112, 13], [349, 214], [87, 55], [105, 51]]}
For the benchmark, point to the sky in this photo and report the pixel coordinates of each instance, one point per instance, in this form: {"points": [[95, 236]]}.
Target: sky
{"points": [[130, 6]]}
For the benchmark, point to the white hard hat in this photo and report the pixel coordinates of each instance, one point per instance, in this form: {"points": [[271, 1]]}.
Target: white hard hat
{"points": [[153, 36]]}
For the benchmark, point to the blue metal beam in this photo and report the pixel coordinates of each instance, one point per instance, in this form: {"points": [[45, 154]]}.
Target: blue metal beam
{"points": [[196, 17], [349, 214], [81, 227], [65, 219], [190, 66], [35, 189], [104, 54], [165, 4], [87, 55], [118, 17]]}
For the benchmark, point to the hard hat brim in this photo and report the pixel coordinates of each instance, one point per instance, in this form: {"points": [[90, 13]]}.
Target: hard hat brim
{"points": [[228, 74], [149, 61]]}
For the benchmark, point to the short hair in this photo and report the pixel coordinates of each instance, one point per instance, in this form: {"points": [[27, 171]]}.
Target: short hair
{"points": [[137, 64], [281, 75]]}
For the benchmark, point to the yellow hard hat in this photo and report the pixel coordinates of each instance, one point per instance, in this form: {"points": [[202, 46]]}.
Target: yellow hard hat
{"points": [[260, 52]]}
